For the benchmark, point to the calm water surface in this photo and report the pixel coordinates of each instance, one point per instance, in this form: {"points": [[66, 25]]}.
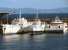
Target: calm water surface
{"points": [[36, 42]]}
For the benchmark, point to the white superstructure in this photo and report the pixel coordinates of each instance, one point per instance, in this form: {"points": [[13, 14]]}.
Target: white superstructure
{"points": [[56, 24], [38, 26], [21, 21]]}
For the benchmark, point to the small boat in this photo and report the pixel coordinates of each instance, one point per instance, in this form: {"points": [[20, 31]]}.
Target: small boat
{"points": [[37, 26]]}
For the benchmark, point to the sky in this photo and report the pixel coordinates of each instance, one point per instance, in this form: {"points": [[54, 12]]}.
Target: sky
{"points": [[40, 4]]}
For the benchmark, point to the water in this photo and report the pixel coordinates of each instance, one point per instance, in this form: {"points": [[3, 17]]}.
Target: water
{"points": [[36, 42]]}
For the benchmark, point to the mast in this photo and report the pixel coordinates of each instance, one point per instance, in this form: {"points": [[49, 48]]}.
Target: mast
{"points": [[37, 14], [36, 18], [7, 19], [20, 19], [20, 15]]}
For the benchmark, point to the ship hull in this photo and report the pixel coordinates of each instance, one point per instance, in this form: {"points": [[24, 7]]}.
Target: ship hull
{"points": [[41, 32], [54, 31]]}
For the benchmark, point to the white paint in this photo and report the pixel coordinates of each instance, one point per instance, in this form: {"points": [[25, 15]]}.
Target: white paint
{"points": [[8, 28]]}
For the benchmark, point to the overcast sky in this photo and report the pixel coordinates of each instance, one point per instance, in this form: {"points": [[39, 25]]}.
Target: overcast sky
{"points": [[42, 4]]}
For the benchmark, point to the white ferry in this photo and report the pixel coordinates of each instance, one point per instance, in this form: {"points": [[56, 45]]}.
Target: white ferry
{"points": [[15, 25]]}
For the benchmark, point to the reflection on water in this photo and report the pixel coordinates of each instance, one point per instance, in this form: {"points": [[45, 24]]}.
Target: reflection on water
{"points": [[35, 42]]}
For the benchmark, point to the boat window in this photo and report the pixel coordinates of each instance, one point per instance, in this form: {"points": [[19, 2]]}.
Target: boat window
{"points": [[59, 26], [49, 26]]}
